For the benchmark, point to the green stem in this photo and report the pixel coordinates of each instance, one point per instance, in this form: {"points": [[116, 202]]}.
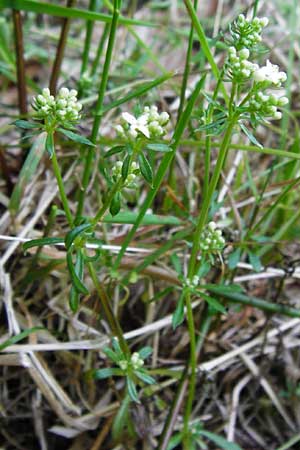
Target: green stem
{"points": [[88, 38], [207, 200], [98, 116], [107, 203], [112, 320], [193, 367], [61, 189]]}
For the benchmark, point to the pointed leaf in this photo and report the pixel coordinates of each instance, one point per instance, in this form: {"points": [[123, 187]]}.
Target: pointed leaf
{"points": [[25, 125], [74, 295], [250, 135], [164, 148], [125, 167], [145, 168], [41, 242], [78, 284], [142, 375], [254, 260], [101, 374], [73, 234], [132, 392], [18, 337], [220, 441], [76, 137], [145, 352], [49, 145], [115, 150], [115, 205], [234, 258], [121, 418], [213, 302], [178, 315]]}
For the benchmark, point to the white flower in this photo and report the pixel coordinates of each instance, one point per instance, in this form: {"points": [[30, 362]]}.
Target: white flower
{"points": [[270, 73], [136, 125]]}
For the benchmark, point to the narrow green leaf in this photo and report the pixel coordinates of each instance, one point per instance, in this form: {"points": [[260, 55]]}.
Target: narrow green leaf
{"points": [[145, 352], [24, 124], [111, 355], [79, 269], [234, 258], [178, 315], [76, 137], [115, 150], [142, 375], [101, 374], [18, 337], [49, 144], [224, 288], [73, 234], [121, 418], [41, 242], [125, 167], [213, 302], [254, 260], [29, 168], [164, 148], [78, 284], [175, 260], [115, 205], [132, 392], [145, 168], [204, 269], [62, 11], [250, 135], [220, 441]]}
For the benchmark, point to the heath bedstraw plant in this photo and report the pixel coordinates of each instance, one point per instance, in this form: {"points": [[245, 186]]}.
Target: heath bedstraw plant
{"points": [[254, 98]]}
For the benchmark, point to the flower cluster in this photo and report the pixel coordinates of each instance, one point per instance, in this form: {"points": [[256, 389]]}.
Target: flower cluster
{"points": [[150, 124], [269, 75], [192, 283], [131, 178], [64, 108], [212, 240], [136, 362], [239, 67], [246, 33], [266, 104]]}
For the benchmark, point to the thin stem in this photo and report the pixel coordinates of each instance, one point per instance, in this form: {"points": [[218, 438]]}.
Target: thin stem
{"points": [[207, 200], [22, 93], [107, 203], [60, 51], [61, 189], [100, 49], [97, 121], [112, 320], [88, 38], [193, 367]]}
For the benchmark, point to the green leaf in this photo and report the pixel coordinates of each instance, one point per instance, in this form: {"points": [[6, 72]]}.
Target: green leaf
{"points": [[125, 167], [28, 169], [142, 375], [49, 145], [41, 242], [63, 11], [220, 441], [24, 124], [121, 418], [115, 150], [204, 269], [213, 302], [132, 392], [175, 260], [76, 137], [234, 258], [250, 135], [117, 348], [145, 352], [164, 148], [101, 374], [73, 234], [74, 295], [115, 205], [224, 288], [175, 441], [111, 355], [145, 168], [254, 260], [178, 315], [76, 281], [18, 337]]}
